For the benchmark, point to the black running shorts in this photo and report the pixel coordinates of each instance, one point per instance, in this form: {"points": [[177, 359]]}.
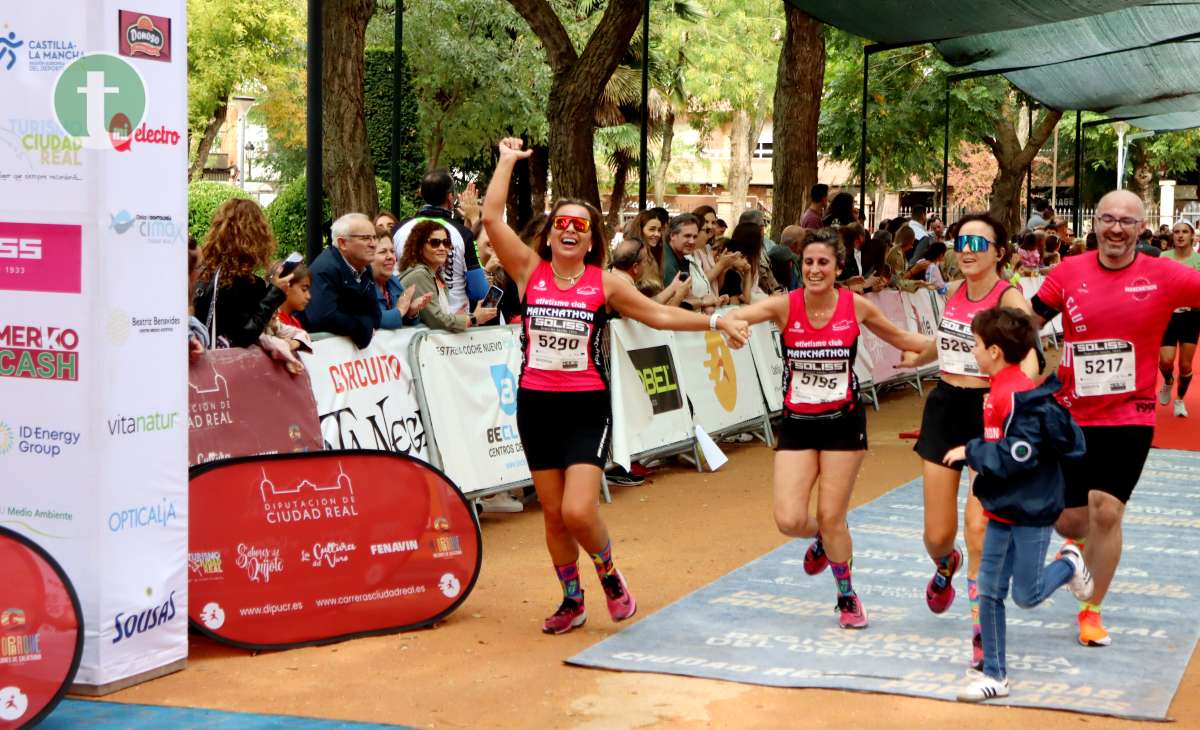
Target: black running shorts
{"points": [[841, 431], [561, 429], [1113, 463], [952, 417], [1183, 329]]}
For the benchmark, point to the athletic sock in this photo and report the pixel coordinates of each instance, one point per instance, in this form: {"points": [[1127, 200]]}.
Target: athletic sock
{"points": [[568, 575], [973, 596], [1168, 372], [603, 561], [1184, 382], [943, 570], [1093, 607], [841, 576]]}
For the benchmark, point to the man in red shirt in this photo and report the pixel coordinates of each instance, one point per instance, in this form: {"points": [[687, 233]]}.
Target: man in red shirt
{"points": [[1115, 304]]}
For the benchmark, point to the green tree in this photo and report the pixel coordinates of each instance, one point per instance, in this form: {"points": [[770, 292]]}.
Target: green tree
{"points": [[477, 75], [731, 75], [286, 214], [378, 93], [235, 45], [578, 78], [204, 196], [798, 84]]}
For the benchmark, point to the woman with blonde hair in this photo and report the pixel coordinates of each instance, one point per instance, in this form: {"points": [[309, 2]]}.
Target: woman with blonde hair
{"points": [[232, 298]]}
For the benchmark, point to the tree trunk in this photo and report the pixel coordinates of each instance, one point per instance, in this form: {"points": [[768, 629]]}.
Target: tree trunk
{"points": [[800, 80], [578, 82], [1143, 176], [739, 161], [210, 133], [616, 201], [519, 209], [347, 171], [664, 159], [1013, 156], [437, 142], [881, 188], [539, 179]]}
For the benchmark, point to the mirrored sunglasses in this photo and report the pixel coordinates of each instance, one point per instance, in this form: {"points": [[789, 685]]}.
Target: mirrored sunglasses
{"points": [[583, 225], [977, 244]]}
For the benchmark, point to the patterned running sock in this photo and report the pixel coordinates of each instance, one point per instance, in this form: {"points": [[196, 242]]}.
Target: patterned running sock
{"points": [[568, 575], [841, 576], [603, 561], [943, 570], [1168, 372], [1093, 607], [973, 596], [1184, 382]]}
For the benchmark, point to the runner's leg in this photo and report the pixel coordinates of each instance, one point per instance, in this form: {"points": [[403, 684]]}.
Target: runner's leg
{"points": [[839, 470], [1103, 550], [795, 474], [564, 552]]}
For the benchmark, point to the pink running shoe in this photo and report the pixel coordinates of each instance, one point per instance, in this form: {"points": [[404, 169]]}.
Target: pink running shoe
{"points": [[815, 559], [569, 616], [940, 600], [621, 603], [850, 612]]}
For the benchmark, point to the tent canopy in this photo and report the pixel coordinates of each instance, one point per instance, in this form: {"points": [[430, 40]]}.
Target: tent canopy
{"points": [[1136, 61]]}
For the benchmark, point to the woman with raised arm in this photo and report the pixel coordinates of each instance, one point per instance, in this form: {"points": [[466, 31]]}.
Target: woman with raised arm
{"points": [[824, 430], [563, 405], [954, 411]]}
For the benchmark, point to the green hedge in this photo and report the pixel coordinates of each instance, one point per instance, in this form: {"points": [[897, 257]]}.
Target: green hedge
{"points": [[377, 103], [286, 214], [204, 196]]}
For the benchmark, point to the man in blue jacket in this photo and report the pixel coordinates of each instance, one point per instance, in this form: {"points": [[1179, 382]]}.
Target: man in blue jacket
{"points": [[343, 290]]}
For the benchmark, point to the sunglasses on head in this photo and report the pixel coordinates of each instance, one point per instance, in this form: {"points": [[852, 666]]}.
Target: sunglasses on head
{"points": [[583, 225], [438, 243], [977, 244]]}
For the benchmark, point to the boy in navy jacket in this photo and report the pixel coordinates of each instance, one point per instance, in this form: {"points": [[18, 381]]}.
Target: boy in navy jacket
{"points": [[1026, 436]]}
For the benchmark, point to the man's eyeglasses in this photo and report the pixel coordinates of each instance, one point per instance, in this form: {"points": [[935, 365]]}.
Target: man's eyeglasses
{"points": [[438, 243], [583, 225], [1110, 220], [976, 244]]}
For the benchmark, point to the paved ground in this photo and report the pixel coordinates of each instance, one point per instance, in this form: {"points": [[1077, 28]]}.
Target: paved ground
{"points": [[489, 666]]}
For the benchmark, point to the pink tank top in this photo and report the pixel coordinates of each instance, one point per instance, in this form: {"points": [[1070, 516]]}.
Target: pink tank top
{"points": [[818, 376], [560, 335], [955, 341]]}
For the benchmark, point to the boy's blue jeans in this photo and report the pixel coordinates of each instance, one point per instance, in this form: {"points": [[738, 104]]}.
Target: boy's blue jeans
{"points": [[1013, 552]]}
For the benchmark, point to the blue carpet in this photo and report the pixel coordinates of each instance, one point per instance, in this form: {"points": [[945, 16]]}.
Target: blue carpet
{"points": [[114, 715], [769, 623]]}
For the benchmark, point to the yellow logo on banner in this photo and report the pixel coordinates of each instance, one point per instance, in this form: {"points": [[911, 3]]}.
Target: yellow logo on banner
{"points": [[721, 370]]}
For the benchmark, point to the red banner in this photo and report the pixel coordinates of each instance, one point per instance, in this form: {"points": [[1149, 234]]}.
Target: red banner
{"points": [[41, 637], [298, 549], [242, 403]]}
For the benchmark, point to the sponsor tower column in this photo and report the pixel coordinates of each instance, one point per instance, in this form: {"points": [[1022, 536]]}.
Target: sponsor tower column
{"points": [[93, 240]]}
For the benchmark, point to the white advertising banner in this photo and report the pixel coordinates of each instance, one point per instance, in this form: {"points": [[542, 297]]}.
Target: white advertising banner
{"points": [[366, 399], [648, 401], [721, 382], [767, 350], [922, 314], [93, 363], [470, 384]]}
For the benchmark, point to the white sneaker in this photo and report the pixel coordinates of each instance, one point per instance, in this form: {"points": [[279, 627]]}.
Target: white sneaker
{"points": [[984, 688], [501, 502], [1081, 584], [1164, 394], [1180, 409]]}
